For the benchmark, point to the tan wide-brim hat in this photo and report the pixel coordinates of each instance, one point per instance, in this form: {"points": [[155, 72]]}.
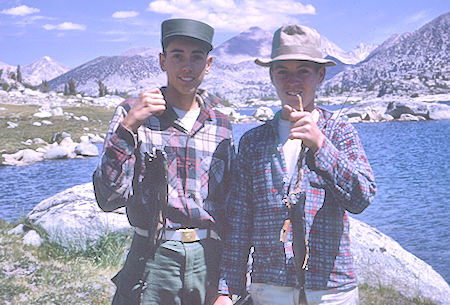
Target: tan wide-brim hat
{"points": [[296, 42]]}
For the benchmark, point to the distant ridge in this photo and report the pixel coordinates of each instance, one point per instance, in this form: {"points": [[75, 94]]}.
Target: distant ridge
{"points": [[413, 63], [409, 64], [42, 69]]}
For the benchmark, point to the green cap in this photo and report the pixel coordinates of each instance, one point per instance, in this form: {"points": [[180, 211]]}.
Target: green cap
{"points": [[187, 28]]}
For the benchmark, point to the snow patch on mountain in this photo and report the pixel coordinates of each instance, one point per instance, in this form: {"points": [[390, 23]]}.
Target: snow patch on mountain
{"points": [[42, 69]]}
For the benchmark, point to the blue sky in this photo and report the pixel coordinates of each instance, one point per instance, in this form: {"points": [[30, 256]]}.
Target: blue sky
{"points": [[73, 32]]}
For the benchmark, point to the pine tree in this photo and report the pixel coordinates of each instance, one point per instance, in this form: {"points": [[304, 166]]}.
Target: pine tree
{"points": [[19, 74], [44, 87], [66, 90], [1, 72], [101, 89], [12, 76], [72, 88]]}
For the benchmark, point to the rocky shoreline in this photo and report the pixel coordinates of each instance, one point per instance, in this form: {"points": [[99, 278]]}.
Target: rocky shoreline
{"points": [[360, 111]]}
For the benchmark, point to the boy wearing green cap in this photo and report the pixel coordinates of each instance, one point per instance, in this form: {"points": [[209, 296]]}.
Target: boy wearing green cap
{"points": [[176, 130], [297, 177]]}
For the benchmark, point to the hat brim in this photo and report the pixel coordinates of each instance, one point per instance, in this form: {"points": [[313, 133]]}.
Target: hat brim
{"points": [[267, 62]]}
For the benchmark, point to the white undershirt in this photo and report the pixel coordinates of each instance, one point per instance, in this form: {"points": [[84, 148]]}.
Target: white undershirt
{"points": [[187, 118], [291, 148]]}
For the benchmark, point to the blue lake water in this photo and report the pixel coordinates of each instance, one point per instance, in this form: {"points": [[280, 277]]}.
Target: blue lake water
{"points": [[410, 161]]}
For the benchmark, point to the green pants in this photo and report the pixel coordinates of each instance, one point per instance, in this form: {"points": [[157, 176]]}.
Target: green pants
{"points": [[183, 273]]}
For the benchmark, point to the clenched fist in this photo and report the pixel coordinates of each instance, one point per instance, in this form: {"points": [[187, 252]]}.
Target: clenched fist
{"points": [[150, 102], [303, 127]]}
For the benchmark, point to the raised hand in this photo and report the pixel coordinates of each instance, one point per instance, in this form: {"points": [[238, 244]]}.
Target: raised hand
{"points": [[150, 102], [303, 127]]}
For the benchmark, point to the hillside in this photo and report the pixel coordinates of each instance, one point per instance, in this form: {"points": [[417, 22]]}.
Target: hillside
{"points": [[417, 63]]}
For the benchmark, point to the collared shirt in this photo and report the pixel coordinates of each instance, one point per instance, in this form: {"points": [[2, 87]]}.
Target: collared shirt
{"points": [[337, 179], [198, 161]]}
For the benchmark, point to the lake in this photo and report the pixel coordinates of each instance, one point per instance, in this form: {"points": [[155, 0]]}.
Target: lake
{"points": [[410, 161]]}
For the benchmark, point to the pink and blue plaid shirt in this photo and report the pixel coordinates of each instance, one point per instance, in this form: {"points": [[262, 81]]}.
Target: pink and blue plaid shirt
{"points": [[199, 165], [337, 179]]}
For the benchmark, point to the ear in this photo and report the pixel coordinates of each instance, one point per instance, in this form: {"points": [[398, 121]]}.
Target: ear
{"points": [[270, 73], [162, 61], [208, 64], [322, 71]]}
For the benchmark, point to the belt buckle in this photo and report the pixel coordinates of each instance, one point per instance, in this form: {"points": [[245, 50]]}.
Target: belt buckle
{"points": [[188, 235]]}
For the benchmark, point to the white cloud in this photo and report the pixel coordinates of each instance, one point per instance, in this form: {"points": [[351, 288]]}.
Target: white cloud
{"points": [[125, 14], [65, 26], [417, 18], [20, 11], [233, 14]]}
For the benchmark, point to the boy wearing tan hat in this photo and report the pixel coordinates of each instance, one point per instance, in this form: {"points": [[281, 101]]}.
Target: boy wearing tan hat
{"points": [[167, 158], [296, 178]]}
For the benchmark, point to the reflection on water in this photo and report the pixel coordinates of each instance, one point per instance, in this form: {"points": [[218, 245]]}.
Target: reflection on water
{"points": [[409, 159]]}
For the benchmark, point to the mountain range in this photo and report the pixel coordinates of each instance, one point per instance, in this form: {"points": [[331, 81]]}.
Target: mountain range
{"points": [[234, 74], [406, 64], [410, 64]]}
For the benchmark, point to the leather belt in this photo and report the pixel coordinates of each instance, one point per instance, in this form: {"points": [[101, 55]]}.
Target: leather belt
{"points": [[183, 235]]}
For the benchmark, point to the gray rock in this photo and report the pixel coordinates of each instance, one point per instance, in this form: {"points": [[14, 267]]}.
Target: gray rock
{"points": [[12, 124], [439, 111], [57, 137], [263, 113], [39, 141], [73, 218], [19, 229], [86, 149], [31, 156], [411, 117], [22, 157], [58, 111], [32, 238], [56, 152], [95, 138], [43, 114], [381, 260], [47, 122]]}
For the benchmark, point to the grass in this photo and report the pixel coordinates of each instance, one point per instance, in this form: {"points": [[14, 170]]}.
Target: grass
{"points": [[50, 274], [387, 295], [11, 138]]}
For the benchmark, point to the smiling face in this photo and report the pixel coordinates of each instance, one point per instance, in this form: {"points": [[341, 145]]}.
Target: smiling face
{"points": [[186, 62], [294, 77]]}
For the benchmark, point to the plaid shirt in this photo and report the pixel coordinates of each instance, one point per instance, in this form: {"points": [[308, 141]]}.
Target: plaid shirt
{"points": [[198, 164], [337, 179]]}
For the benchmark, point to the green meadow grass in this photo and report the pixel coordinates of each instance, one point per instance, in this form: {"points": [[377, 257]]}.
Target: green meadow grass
{"points": [[11, 138]]}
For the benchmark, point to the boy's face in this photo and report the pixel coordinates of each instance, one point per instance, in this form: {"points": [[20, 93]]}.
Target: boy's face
{"points": [[186, 62], [295, 77]]}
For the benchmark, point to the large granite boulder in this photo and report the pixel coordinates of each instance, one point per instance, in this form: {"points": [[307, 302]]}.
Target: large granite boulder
{"points": [[22, 157], [73, 218], [381, 260]]}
